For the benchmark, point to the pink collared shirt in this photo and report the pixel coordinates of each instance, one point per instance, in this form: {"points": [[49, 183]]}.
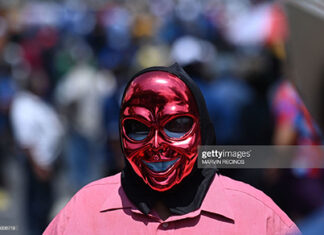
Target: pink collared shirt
{"points": [[230, 207]]}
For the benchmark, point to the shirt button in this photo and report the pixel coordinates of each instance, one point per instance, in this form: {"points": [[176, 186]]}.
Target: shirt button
{"points": [[165, 225]]}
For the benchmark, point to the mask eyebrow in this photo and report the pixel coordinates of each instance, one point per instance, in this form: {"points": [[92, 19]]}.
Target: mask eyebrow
{"points": [[173, 109], [140, 112]]}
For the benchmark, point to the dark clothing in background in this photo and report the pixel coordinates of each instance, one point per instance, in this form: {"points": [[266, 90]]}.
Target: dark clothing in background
{"points": [[39, 201]]}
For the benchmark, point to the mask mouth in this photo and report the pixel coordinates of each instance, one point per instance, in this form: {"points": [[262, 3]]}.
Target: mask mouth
{"points": [[160, 166]]}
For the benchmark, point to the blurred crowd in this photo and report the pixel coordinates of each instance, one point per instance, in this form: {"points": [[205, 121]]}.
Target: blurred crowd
{"points": [[64, 64]]}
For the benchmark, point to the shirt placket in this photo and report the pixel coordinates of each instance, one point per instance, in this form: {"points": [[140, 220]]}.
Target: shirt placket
{"points": [[168, 226]]}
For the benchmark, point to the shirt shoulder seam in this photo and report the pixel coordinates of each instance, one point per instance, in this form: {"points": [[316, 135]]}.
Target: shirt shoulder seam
{"points": [[265, 204], [101, 182]]}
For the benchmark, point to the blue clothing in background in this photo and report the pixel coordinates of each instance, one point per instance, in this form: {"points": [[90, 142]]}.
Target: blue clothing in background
{"points": [[225, 99]]}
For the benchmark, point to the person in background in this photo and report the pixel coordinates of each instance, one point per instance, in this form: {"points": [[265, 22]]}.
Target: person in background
{"points": [[7, 91], [294, 125], [80, 96], [38, 132]]}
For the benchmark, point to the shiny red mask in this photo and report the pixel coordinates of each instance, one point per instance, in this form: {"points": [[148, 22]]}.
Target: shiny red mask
{"points": [[160, 129]]}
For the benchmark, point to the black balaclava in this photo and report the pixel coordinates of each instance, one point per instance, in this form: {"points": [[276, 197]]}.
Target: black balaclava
{"points": [[188, 195]]}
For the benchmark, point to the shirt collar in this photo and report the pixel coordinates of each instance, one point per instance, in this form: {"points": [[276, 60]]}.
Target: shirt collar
{"points": [[116, 199], [216, 200]]}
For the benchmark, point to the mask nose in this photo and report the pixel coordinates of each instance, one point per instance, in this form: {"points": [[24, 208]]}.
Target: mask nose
{"points": [[157, 142]]}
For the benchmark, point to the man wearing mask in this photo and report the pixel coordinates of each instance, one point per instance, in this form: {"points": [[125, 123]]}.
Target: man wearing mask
{"points": [[163, 120]]}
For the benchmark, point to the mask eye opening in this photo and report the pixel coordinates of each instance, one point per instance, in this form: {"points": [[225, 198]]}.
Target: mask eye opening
{"points": [[135, 130], [179, 127]]}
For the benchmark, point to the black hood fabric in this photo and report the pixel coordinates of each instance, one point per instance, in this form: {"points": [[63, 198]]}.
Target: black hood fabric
{"points": [[188, 195]]}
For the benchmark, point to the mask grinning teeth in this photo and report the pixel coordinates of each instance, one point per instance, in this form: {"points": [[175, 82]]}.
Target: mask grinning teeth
{"points": [[160, 166]]}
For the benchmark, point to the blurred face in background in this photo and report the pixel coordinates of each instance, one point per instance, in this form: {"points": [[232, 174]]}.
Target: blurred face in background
{"points": [[39, 83], [160, 129]]}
